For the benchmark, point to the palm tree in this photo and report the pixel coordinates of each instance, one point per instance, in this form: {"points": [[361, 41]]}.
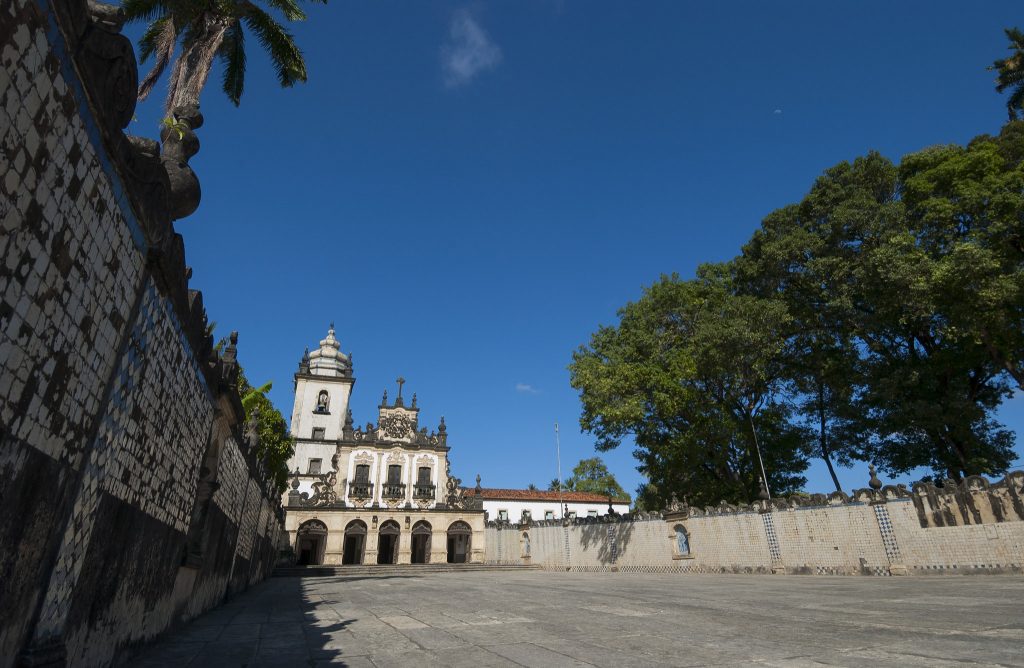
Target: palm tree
{"points": [[1011, 72], [209, 29]]}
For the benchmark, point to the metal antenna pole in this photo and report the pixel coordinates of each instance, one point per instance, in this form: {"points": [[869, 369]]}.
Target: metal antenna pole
{"points": [[757, 446], [558, 458]]}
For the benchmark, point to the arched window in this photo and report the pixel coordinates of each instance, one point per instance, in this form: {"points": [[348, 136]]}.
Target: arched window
{"points": [[682, 541], [322, 402]]}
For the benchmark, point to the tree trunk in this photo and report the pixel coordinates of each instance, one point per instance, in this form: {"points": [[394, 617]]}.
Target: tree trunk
{"points": [[192, 68], [824, 437]]}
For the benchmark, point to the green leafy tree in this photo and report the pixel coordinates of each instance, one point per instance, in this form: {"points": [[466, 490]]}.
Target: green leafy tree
{"points": [[873, 249], [207, 30], [1010, 73], [693, 375], [275, 444], [965, 205], [592, 475]]}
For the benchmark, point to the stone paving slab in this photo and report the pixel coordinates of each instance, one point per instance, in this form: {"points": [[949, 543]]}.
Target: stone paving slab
{"points": [[456, 620]]}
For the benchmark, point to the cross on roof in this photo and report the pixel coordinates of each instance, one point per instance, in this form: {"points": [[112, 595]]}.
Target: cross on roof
{"points": [[401, 382]]}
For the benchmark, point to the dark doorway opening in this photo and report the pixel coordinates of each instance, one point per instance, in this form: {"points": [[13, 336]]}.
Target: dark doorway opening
{"points": [[355, 543], [421, 543], [459, 535], [387, 543], [310, 543]]}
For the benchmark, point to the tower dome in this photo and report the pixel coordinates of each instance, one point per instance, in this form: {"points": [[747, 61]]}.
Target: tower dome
{"points": [[328, 360]]}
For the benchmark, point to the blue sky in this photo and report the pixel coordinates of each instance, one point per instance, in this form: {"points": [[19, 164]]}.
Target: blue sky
{"points": [[468, 190]]}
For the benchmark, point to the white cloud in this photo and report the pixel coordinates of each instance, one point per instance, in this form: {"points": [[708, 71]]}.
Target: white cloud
{"points": [[777, 112], [469, 51], [526, 388]]}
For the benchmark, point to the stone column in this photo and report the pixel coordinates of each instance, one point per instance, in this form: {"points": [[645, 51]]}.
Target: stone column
{"points": [[335, 545], [439, 545], [405, 542]]}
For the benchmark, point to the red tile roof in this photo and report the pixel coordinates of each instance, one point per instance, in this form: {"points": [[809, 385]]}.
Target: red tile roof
{"points": [[541, 495]]}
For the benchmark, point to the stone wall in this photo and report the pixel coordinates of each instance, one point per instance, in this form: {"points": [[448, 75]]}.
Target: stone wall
{"points": [[877, 531], [130, 496]]}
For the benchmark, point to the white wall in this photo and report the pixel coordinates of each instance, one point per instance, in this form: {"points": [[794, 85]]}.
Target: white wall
{"points": [[537, 508], [307, 391]]}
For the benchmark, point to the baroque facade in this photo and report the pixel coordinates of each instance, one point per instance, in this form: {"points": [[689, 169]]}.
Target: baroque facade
{"points": [[373, 494]]}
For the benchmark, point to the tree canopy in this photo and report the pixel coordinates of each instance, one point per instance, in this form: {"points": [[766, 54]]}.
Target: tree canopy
{"points": [[209, 30], [591, 475], [879, 319], [1010, 73]]}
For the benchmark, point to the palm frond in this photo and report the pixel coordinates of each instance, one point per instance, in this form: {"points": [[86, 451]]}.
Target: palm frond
{"points": [[144, 10], [1016, 102], [151, 37], [159, 40], [290, 9], [232, 57], [284, 54]]}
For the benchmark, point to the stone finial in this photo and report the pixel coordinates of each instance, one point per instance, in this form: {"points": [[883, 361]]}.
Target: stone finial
{"points": [[441, 428], [304, 362], [295, 480], [763, 491], [384, 400], [178, 144], [874, 483], [478, 490], [414, 400], [348, 418]]}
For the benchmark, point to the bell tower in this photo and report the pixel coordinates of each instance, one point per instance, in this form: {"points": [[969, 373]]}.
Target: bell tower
{"points": [[323, 385]]}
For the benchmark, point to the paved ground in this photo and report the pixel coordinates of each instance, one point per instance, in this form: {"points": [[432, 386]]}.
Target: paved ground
{"points": [[559, 619]]}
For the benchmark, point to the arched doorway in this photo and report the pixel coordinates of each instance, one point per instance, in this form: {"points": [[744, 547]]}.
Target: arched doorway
{"points": [[459, 535], [387, 543], [421, 542], [310, 541], [355, 542]]}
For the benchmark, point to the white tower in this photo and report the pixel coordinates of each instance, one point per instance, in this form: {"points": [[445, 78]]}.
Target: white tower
{"points": [[323, 385]]}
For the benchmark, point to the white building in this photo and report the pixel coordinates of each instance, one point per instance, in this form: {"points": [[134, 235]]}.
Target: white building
{"points": [[509, 505], [375, 494]]}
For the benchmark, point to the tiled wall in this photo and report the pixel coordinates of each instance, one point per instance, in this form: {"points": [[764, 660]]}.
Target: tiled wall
{"points": [[848, 539], [106, 408]]}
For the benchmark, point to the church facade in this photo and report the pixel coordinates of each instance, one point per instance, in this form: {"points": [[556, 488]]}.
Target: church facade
{"points": [[374, 494]]}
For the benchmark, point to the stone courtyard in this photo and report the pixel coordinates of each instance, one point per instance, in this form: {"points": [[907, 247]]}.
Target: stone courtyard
{"points": [[535, 618]]}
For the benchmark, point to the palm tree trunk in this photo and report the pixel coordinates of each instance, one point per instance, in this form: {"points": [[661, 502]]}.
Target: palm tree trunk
{"points": [[192, 68]]}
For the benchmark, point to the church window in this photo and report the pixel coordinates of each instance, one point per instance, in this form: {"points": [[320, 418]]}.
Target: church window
{"points": [[394, 474], [362, 473], [549, 514], [322, 401], [314, 466], [682, 541], [526, 516], [591, 513], [503, 515], [424, 475], [571, 515], [318, 433]]}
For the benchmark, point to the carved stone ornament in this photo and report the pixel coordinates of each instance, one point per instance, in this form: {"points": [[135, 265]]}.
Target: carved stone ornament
{"points": [[396, 426]]}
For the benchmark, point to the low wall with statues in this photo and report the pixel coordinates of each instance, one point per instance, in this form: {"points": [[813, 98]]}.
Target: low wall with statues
{"points": [[971, 527], [131, 497]]}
